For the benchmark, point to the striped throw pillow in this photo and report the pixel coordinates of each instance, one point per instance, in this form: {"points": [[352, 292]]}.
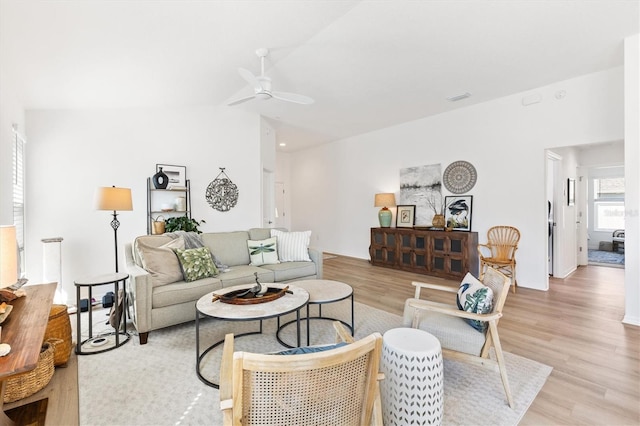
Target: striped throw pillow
{"points": [[292, 246]]}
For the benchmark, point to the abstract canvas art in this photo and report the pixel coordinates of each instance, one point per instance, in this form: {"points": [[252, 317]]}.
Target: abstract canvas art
{"points": [[421, 185]]}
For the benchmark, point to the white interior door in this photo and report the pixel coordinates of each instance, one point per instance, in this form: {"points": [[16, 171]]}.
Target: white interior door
{"points": [[280, 205], [268, 201]]}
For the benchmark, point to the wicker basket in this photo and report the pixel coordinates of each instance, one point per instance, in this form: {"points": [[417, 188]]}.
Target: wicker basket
{"points": [[58, 333], [31, 382]]}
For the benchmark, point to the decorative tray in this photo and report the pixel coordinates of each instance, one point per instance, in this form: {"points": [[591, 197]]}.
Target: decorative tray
{"points": [[247, 297]]}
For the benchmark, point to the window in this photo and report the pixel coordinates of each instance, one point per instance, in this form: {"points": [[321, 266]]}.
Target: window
{"points": [[18, 196], [608, 202]]}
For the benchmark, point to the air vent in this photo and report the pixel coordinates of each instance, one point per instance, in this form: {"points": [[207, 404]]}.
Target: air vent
{"points": [[459, 97]]}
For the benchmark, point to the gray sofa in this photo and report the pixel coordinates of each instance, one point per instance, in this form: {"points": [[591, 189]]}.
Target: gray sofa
{"points": [[161, 298]]}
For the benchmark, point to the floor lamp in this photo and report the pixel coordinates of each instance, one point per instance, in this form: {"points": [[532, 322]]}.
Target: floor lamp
{"points": [[114, 199]]}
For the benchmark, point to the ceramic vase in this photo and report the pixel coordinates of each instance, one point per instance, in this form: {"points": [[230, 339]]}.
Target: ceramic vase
{"points": [[181, 204], [160, 180]]}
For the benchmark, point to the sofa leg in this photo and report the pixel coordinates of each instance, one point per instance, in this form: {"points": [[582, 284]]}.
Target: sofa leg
{"points": [[143, 337]]}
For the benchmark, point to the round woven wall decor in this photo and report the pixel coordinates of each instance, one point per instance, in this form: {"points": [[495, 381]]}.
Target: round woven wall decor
{"points": [[459, 177], [222, 194]]}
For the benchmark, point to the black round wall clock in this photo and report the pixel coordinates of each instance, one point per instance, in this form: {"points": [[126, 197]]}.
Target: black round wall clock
{"points": [[459, 177]]}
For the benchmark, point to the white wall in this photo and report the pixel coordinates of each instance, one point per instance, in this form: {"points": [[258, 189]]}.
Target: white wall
{"points": [[71, 153], [333, 185]]}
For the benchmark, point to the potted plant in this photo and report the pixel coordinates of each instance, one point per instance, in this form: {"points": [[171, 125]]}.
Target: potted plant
{"points": [[182, 223]]}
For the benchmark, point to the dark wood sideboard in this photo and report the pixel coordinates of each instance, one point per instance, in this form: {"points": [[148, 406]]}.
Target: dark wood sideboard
{"points": [[445, 254], [24, 330]]}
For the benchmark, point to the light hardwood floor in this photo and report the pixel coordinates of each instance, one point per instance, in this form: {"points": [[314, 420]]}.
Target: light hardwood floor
{"points": [[575, 327]]}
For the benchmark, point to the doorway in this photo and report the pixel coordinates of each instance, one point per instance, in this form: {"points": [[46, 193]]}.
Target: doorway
{"points": [[552, 172]]}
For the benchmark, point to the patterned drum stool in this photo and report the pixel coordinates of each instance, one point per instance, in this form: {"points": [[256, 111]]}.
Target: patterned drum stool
{"points": [[412, 391]]}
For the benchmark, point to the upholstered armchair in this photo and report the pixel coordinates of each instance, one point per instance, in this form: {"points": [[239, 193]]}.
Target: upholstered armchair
{"points": [[469, 328]]}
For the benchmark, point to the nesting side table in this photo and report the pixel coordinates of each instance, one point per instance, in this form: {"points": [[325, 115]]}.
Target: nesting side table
{"points": [[322, 292], [413, 390], [93, 345]]}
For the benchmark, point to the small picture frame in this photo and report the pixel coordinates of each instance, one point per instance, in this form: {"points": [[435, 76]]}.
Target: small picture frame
{"points": [[406, 216], [177, 175], [457, 212], [571, 192]]}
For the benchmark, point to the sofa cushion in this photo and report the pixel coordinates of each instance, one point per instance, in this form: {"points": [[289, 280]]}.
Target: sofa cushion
{"points": [[229, 248], [182, 291], [243, 274], [196, 263], [475, 297], [446, 328], [292, 246], [259, 233], [161, 262], [288, 271], [263, 252]]}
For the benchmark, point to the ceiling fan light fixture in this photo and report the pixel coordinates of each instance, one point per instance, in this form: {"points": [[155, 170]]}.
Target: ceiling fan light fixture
{"points": [[262, 86], [456, 98]]}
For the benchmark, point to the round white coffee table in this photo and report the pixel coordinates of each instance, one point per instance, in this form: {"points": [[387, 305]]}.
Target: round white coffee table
{"points": [[413, 390], [322, 292], [205, 307]]}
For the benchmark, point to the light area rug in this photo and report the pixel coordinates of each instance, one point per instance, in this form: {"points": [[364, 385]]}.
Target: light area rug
{"points": [[156, 383]]}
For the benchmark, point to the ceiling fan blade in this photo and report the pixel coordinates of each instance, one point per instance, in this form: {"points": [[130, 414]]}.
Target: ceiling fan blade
{"points": [[241, 100], [250, 78], [293, 97]]}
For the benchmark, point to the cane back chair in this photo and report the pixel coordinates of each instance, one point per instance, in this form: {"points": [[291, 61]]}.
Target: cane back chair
{"points": [[335, 386], [500, 252]]}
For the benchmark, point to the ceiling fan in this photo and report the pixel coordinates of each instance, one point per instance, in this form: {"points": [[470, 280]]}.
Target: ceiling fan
{"points": [[262, 86]]}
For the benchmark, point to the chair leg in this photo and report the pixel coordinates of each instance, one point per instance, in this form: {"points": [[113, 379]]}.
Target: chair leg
{"points": [[514, 283], [493, 328]]}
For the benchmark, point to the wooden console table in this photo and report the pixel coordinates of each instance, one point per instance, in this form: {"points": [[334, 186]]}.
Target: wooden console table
{"points": [[24, 330], [445, 254]]}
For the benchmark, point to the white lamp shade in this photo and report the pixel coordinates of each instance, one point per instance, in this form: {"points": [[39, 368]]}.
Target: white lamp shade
{"points": [[8, 256], [386, 199], [112, 198]]}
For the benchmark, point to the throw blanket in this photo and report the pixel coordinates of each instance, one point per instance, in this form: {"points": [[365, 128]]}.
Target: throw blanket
{"points": [[193, 240]]}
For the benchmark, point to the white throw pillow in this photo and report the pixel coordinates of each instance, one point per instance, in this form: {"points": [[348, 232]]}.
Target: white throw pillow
{"points": [[263, 252], [293, 246]]}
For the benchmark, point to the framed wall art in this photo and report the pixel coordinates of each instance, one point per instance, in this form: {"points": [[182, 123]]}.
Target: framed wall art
{"points": [[406, 216], [177, 175], [457, 213], [571, 192]]}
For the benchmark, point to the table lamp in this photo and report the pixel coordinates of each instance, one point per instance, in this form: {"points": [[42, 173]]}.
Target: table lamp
{"points": [[8, 256], [115, 199], [385, 200]]}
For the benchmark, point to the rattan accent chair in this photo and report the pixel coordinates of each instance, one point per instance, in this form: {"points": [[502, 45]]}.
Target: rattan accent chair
{"points": [[500, 252], [333, 387], [458, 339]]}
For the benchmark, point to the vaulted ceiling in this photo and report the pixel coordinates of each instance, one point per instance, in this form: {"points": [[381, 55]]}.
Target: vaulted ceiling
{"points": [[368, 64]]}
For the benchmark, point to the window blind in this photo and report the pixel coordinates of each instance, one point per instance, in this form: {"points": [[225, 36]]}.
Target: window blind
{"points": [[18, 195]]}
